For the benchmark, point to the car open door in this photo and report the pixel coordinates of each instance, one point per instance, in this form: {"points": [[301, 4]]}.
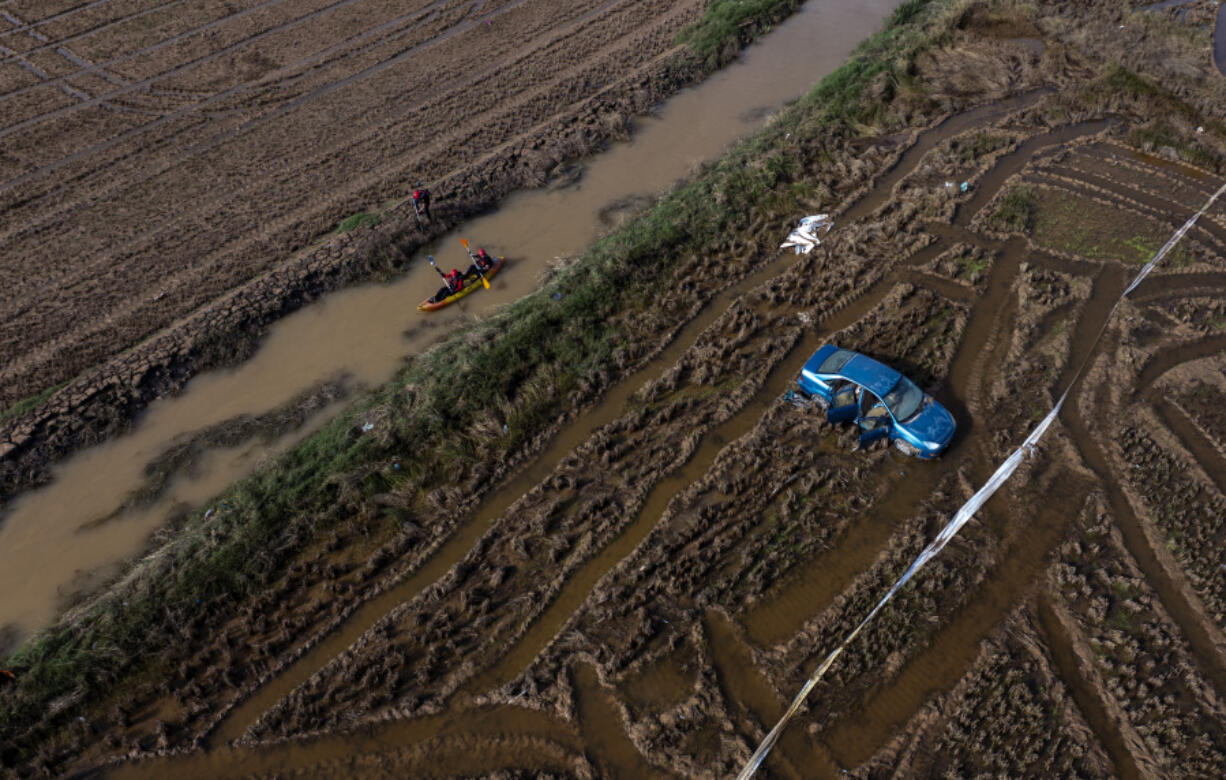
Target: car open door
{"points": [[874, 420], [873, 434], [843, 403]]}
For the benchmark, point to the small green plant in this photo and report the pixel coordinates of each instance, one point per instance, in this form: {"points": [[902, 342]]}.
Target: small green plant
{"points": [[1016, 211], [980, 144], [360, 220], [730, 22], [971, 267], [18, 408]]}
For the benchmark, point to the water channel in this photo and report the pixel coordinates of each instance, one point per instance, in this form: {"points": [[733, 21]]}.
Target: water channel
{"points": [[52, 543]]}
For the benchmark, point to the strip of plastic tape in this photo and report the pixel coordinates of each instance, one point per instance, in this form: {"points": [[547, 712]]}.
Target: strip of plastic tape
{"points": [[967, 511]]}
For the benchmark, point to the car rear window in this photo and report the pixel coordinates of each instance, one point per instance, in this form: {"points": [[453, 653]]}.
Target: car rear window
{"points": [[837, 360]]}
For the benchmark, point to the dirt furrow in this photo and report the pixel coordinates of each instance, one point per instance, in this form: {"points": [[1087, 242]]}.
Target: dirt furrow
{"points": [[468, 531], [1086, 688], [81, 34], [1172, 593]]}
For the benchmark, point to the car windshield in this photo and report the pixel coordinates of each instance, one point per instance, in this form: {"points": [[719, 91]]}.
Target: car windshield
{"points": [[835, 361], [904, 399]]}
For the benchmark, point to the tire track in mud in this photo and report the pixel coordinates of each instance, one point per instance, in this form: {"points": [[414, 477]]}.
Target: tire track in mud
{"points": [[946, 288], [1214, 241], [1085, 690], [1193, 439], [992, 182], [82, 34], [745, 689], [152, 48], [939, 665], [604, 732], [479, 740], [183, 68], [437, 563], [926, 140], [1173, 357], [1113, 154], [820, 580], [817, 587], [1173, 594], [58, 16], [300, 670], [495, 724], [353, 186], [954, 646], [445, 91], [547, 626], [782, 376], [1159, 287], [1161, 204]]}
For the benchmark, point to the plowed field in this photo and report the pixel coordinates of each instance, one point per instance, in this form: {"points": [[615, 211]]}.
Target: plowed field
{"points": [[158, 154], [648, 596]]}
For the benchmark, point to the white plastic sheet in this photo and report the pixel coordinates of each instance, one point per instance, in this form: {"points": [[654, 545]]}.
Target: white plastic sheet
{"points": [[964, 514], [805, 237]]}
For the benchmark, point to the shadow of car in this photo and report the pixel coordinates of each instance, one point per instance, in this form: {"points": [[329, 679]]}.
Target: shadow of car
{"points": [[883, 402]]}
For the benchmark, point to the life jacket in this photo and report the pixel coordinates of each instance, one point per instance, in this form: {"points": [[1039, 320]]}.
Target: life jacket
{"points": [[455, 280], [419, 194], [484, 260]]}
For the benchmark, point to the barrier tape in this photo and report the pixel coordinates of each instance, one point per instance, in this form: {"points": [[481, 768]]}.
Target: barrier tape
{"points": [[968, 510]]}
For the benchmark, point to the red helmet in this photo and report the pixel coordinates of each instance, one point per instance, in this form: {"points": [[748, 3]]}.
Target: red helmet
{"points": [[481, 252]]}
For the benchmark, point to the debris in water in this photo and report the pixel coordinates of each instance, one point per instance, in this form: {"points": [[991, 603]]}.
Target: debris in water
{"points": [[805, 237]]}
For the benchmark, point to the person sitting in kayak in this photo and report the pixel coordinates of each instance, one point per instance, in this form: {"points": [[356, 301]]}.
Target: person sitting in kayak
{"points": [[455, 283], [482, 262]]}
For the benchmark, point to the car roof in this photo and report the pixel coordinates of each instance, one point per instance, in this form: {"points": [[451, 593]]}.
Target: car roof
{"points": [[868, 373]]}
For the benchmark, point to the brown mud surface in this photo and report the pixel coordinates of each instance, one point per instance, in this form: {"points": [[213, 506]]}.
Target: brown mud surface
{"points": [[648, 596]]}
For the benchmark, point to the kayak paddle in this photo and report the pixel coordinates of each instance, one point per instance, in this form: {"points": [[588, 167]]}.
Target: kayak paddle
{"points": [[476, 265]]}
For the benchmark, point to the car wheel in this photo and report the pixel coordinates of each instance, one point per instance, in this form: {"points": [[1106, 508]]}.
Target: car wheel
{"points": [[905, 447]]}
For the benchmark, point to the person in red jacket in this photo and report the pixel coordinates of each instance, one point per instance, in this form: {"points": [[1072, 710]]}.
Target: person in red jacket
{"points": [[421, 200], [483, 261], [455, 283]]}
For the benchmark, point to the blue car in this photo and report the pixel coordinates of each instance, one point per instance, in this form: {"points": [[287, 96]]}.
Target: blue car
{"points": [[883, 402]]}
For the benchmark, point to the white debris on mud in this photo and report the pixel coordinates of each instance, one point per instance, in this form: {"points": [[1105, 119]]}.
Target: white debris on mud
{"points": [[806, 235]]}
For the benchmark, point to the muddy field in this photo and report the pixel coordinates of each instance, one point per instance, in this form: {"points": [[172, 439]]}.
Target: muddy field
{"points": [[645, 600]]}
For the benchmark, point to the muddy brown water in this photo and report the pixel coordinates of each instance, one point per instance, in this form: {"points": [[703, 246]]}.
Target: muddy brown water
{"points": [[365, 333]]}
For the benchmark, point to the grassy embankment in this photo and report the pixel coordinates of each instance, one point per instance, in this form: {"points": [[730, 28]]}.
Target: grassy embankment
{"points": [[517, 368]]}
